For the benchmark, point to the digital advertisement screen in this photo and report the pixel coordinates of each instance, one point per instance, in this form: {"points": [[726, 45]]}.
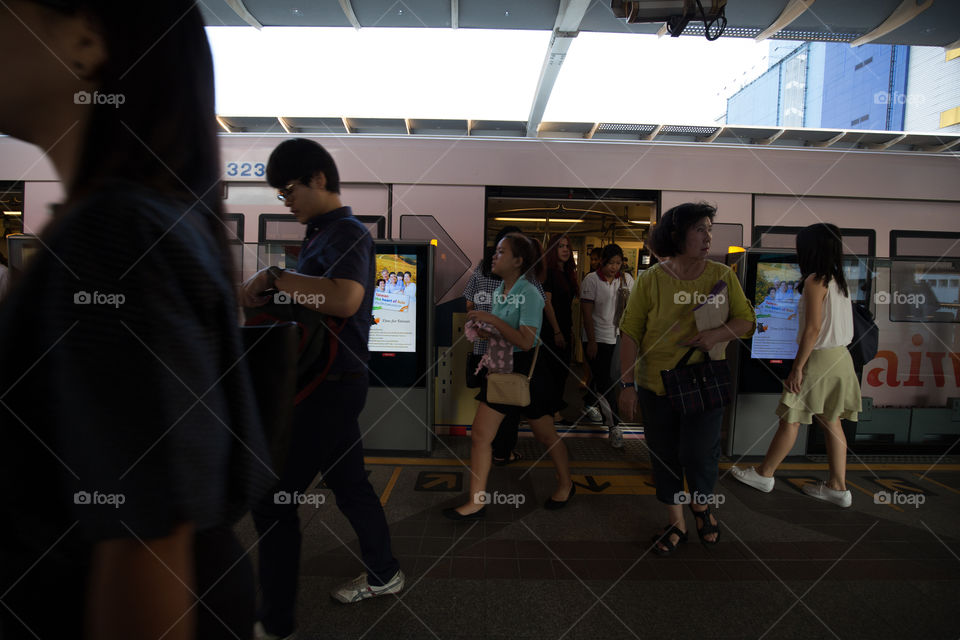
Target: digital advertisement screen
{"points": [[777, 304], [394, 304]]}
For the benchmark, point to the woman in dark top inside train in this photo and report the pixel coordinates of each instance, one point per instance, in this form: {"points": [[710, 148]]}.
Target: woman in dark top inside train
{"points": [[128, 443]]}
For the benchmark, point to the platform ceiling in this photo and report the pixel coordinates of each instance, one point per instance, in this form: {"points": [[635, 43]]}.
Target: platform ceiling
{"points": [[832, 20]]}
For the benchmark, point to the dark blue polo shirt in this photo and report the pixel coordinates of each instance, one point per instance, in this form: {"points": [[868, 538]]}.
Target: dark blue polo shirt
{"points": [[337, 245]]}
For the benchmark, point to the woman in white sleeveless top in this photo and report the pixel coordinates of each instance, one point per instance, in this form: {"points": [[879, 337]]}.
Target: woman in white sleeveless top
{"points": [[822, 383]]}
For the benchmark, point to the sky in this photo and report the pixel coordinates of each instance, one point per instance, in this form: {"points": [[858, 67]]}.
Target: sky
{"points": [[476, 74]]}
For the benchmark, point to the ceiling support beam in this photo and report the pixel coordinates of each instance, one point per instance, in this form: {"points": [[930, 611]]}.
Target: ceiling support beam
{"points": [[793, 10], [565, 29], [469, 127], [241, 10], [406, 124], [454, 14], [823, 144], [942, 147], [283, 123], [593, 130], [907, 11], [713, 136], [346, 124], [348, 11], [883, 146], [654, 133], [771, 139], [223, 125]]}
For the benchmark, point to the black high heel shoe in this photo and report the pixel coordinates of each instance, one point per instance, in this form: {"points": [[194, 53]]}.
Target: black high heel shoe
{"points": [[553, 505], [452, 514]]}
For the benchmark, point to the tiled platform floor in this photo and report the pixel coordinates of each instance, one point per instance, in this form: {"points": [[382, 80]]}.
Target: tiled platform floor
{"points": [[787, 566]]}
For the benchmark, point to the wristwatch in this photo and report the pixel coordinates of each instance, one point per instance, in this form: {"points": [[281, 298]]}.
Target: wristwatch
{"points": [[626, 385]]}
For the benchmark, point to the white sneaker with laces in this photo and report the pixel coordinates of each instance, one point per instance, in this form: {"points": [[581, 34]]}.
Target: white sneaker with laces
{"points": [[592, 414], [751, 478], [616, 437], [259, 633], [821, 491], [359, 589]]}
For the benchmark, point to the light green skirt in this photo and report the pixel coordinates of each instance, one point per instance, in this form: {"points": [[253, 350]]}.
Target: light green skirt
{"points": [[829, 389]]}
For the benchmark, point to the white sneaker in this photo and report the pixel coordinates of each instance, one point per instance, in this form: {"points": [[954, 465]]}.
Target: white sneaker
{"points": [[751, 478], [616, 437], [592, 414], [821, 491], [359, 589], [259, 633]]}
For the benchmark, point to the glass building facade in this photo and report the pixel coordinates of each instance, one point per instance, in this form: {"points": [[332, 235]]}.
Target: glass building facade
{"points": [[826, 85]]}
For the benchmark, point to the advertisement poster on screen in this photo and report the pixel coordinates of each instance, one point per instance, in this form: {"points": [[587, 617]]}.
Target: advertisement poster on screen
{"points": [[777, 308], [394, 304]]}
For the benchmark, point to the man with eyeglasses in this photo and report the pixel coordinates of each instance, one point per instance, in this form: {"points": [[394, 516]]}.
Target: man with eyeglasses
{"points": [[335, 276]]}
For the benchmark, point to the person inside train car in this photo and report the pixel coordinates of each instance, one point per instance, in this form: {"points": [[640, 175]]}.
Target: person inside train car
{"points": [[596, 255], [516, 315], [822, 383], [658, 328], [128, 442], [479, 296], [561, 288], [335, 276], [599, 295]]}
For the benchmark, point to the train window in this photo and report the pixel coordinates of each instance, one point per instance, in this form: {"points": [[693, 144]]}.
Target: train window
{"points": [[234, 225], [924, 244], [922, 291], [856, 242], [725, 235]]}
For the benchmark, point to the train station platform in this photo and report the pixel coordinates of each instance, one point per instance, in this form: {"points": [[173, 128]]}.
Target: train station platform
{"points": [[786, 566]]}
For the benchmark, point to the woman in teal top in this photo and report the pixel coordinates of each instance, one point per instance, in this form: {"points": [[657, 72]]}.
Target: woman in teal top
{"points": [[516, 315]]}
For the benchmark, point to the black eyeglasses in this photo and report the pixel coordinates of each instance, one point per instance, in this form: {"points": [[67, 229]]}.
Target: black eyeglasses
{"points": [[286, 191]]}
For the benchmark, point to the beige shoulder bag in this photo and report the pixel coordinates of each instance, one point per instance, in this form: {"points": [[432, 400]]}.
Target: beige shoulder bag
{"points": [[511, 388]]}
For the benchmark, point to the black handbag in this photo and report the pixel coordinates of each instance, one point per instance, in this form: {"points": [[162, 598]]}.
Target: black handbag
{"points": [[866, 336], [473, 379], [318, 343], [697, 388]]}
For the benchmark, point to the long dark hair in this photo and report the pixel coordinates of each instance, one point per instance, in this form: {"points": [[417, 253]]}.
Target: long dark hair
{"points": [[820, 252], [163, 135], [568, 268]]}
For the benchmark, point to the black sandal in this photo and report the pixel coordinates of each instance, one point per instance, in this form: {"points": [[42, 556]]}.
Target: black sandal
{"points": [[707, 527], [664, 539]]}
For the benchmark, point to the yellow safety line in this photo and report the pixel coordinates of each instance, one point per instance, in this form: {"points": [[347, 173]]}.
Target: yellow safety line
{"points": [[392, 481], [939, 484], [859, 488]]}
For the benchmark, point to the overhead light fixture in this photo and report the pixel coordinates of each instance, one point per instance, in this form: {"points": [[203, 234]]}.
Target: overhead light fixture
{"points": [[639, 222], [13, 213], [553, 220]]}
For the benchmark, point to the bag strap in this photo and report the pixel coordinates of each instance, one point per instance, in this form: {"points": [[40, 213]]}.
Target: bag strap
{"points": [[687, 355], [536, 352]]}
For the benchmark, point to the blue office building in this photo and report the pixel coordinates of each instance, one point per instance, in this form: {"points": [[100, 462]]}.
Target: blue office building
{"points": [[829, 85]]}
